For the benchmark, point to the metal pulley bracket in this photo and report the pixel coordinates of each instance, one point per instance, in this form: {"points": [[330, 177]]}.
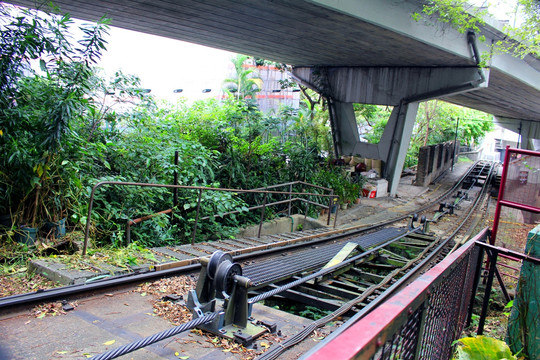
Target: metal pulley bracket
{"points": [[221, 278], [423, 221]]}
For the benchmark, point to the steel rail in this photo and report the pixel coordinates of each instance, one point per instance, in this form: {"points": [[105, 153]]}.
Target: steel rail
{"points": [[326, 271], [171, 332], [119, 280], [276, 351], [114, 353]]}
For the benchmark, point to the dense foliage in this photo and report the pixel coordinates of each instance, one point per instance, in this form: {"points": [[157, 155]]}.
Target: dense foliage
{"points": [[65, 128]]}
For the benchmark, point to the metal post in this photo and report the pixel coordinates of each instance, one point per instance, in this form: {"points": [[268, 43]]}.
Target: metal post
{"points": [[305, 212], [196, 218], [290, 197], [330, 202], [175, 190], [477, 274], [335, 218], [502, 185], [493, 262], [501, 283], [175, 180], [262, 215], [455, 143], [128, 232]]}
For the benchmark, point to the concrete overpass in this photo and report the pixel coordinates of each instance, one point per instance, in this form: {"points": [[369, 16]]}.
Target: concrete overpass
{"points": [[368, 51]]}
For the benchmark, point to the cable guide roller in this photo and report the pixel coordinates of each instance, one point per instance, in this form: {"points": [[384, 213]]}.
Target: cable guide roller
{"points": [[221, 278]]}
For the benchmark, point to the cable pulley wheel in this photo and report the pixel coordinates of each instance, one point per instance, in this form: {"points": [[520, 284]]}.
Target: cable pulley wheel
{"points": [[224, 278], [216, 259]]}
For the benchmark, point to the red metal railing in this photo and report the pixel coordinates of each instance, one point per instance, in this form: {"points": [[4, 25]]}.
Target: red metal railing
{"points": [[421, 321], [501, 200]]}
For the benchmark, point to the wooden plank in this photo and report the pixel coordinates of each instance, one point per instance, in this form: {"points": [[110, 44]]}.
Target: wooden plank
{"points": [[343, 254]]}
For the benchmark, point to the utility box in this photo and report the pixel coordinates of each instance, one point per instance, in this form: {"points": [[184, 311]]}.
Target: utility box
{"points": [[375, 188], [381, 186]]}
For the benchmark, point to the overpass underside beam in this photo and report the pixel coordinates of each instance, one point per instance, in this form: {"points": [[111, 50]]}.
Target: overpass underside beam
{"points": [[400, 87]]}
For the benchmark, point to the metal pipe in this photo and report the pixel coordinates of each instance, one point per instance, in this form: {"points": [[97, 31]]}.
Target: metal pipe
{"points": [[507, 266], [196, 218], [175, 180], [290, 203], [501, 283], [262, 215], [337, 210], [141, 219], [492, 255], [519, 206], [502, 251], [512, 276], [476, 281], [330, 201], [128, 232], [509, 257], [502, 185], [252, 208], [294, 183]]}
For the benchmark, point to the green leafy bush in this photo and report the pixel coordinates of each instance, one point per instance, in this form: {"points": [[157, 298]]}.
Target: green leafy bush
{"points": [[483, 348]]}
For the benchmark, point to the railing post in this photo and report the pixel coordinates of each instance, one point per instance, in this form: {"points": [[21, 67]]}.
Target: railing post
{"points": [[175, 180], [290, 198], [175, 190], [477, 275], [492, 255], [262, 215], [330, 207], [335, 218], [196, 218], [305, 212], [128, 232]]}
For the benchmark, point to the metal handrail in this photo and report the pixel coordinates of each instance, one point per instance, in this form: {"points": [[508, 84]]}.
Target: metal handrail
{"points": [[331, 197]]}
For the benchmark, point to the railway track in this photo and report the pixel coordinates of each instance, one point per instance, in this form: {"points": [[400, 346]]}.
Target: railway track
{"points": [[364, 265]]}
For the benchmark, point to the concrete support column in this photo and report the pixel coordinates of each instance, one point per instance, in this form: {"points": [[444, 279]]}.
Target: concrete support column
{"points": [[529, 132], [346, 126], [402, 120]]}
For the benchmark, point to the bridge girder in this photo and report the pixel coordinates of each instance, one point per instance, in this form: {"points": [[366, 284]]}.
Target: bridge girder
{"points": [[400, 87]]}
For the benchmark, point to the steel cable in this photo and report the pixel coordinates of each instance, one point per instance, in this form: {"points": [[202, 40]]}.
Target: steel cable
{"points": [[122, 350], [295, 283]]}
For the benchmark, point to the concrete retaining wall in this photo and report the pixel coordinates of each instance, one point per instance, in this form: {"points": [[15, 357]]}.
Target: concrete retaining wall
{"points": [[433, 160], [280, 226]]}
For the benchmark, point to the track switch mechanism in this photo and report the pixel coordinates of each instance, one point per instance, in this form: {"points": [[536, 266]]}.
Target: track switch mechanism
{"points": [[221, 278]]}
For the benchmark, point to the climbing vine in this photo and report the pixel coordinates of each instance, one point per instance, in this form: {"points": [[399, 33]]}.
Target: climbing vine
{"points": [[522, 37]]}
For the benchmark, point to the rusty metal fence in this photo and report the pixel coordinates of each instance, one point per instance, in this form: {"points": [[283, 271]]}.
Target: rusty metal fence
{"points": [[420, 322], [303, 197]]}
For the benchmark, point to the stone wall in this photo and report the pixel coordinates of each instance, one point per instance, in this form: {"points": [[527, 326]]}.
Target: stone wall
{"points": [[433, 160]]}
